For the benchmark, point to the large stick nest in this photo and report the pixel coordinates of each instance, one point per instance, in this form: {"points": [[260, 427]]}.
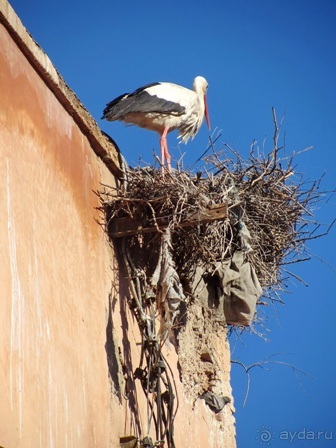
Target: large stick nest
{"points": [[263, 193]]}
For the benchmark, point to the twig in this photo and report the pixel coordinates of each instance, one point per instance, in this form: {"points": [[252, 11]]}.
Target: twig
{"points": [[263, 363]]}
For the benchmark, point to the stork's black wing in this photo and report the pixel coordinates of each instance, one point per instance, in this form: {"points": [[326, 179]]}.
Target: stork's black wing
{"points": [[140, 101]]}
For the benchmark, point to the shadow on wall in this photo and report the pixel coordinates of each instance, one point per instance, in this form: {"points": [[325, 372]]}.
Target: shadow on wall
{"points": [[119, 359], [111, 352]]}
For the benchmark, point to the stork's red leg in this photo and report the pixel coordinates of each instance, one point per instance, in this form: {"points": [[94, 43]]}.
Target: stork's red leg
{"points": [[164, 150]]}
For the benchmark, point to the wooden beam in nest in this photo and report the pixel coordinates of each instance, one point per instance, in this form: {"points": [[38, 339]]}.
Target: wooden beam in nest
{"points": [[121, 227]]}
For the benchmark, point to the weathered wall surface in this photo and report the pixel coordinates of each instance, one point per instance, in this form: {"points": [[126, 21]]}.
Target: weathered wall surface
{"points": [[63, 316], [55, 274]]}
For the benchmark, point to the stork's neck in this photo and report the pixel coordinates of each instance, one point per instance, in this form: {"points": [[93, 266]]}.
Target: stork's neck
{"points": [[200, 87], [200, 100]]}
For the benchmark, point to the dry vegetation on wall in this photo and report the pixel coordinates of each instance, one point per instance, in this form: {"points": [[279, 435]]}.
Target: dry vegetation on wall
{"points": [[270, 212], [180, 238]]}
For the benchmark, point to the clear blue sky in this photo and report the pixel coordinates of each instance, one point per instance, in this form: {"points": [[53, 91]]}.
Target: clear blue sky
{"points": [[255, 55]]}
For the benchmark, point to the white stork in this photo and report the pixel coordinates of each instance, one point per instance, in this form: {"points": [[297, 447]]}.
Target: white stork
{"points": [[163, 107]]}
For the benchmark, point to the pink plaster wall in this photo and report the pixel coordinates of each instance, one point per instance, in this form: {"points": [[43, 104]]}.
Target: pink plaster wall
{"points": [[54, 260]]}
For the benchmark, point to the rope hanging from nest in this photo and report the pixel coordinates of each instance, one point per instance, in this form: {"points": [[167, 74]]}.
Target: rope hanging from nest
{"points": [[153, 372]]}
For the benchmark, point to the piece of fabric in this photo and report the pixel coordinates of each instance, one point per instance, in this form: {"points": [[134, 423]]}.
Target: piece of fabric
{"points": [[215, 402], [231, 292], [167, 284], [241, 289]]}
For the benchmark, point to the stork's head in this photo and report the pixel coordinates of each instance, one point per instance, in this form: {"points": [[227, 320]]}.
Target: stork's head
{"points": [[200, 86]]}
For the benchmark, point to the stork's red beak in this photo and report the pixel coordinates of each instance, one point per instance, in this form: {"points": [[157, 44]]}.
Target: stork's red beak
{"points": [[206, 112]]}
